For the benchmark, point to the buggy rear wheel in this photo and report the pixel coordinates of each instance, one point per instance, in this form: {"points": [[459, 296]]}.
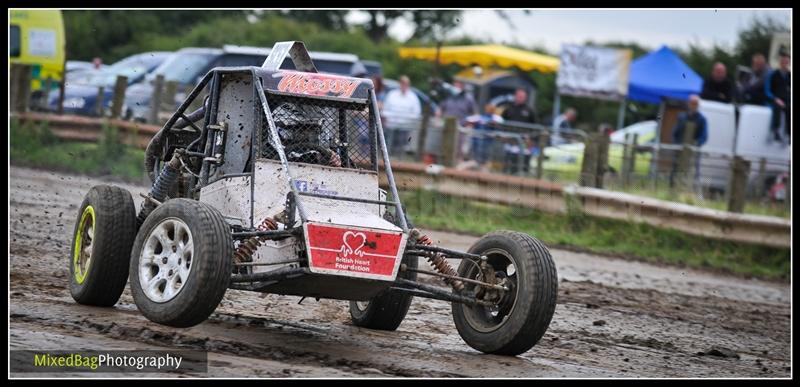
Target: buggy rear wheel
{"points": [[181, 263], [101, 246], [386, 310], [520, 316]]}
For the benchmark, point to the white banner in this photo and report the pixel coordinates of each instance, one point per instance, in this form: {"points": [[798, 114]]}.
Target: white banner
{"points": [[593, 72]]}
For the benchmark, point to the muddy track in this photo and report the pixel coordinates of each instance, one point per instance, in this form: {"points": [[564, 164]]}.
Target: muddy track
{"points": [[613, 318]]}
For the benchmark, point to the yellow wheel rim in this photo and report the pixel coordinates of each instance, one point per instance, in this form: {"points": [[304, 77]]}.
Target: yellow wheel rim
{"points": [[84, 242]]}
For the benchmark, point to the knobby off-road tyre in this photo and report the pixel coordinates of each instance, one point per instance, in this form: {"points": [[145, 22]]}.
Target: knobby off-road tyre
{"points": [[101, 246], [388, 309], [181, 263], [524, 313]]}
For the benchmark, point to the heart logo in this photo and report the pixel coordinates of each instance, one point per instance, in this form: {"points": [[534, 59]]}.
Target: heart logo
{"points": [[352, 243]]}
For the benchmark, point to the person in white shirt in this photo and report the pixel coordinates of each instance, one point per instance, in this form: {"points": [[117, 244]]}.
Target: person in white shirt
{"points": [[401, 113]]}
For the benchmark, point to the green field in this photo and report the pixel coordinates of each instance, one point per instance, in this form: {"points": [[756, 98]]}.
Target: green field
{"points": [[34, 145], [625, 239]]}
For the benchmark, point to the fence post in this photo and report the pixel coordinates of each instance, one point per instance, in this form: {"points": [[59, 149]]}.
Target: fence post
{"points": [[449, 137], [624, 167], [45, 101], [761, 179], [602, 159], [741, 168], [119, 96], [629, 158], [788, 186], [155, 101], [14, 87], [168, 99], [423, 131], [543, 137], [21, 92], [100, 101], [589, 165], [61, 94], [682, 172]]}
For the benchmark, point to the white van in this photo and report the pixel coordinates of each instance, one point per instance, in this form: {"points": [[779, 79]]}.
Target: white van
{"points": [[750, 138]]}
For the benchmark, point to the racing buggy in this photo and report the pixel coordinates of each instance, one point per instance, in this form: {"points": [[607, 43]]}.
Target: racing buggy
{"points": [[271, 183]]}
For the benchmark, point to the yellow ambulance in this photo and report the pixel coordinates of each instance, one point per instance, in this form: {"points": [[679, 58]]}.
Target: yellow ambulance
{"points": [[36, 38]]}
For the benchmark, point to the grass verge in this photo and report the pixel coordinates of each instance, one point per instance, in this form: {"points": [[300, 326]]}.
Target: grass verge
{"points": [[632, 240], [35, 145]]}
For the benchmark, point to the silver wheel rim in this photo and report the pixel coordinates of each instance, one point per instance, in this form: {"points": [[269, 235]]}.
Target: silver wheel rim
{"points": [[166, 260], [362, 305], [86, 247], [471, 314]]}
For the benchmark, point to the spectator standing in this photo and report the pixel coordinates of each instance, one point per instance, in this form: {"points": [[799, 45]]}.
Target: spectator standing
{"points": [[690, 117], [562, 122], [459, 105], [753, 88], [401, 113], [718, 87], [778, 93], [481, 142], [520, 111]]}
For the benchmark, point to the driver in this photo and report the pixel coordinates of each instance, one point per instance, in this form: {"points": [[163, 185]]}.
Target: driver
{"points": [[300, 130]]}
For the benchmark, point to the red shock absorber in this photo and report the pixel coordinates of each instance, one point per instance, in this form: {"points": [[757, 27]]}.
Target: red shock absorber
{"points": [[439, 262], [244, 252]]}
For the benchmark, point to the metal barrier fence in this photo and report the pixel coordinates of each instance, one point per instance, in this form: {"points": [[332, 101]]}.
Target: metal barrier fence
{"points": [[667, 171]]}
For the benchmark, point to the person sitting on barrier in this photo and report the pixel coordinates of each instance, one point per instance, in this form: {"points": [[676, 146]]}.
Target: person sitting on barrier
{"points": [[752, 88], [718, 87], [777, 88]]}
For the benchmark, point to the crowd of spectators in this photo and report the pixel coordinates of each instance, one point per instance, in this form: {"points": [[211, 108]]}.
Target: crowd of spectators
{"points": [[757, 85]]}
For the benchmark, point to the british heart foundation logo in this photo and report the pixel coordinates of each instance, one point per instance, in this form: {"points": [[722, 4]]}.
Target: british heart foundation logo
{"points": [[348, 251], [352, 243]]}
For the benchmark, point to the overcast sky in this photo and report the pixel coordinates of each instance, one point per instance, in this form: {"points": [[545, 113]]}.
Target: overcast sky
{"points": [[650, 28]]}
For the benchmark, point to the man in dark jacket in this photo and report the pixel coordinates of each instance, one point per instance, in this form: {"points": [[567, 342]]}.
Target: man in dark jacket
{"points": [[520, 111], [777, 90], [693, 118], [753, 88], [718, 87]]}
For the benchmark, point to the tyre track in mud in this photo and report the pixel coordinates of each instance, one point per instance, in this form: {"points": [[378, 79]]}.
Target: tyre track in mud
{"points": [[613, 318]]}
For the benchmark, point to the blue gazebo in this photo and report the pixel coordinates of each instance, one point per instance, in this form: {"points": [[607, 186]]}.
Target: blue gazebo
{"points": [[662, 74]]}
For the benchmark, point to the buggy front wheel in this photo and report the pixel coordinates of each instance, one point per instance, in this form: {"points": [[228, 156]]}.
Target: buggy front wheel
{"points": [[181, 263], [519, 316]]}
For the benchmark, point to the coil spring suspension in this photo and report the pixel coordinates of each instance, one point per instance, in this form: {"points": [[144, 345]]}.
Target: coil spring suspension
{"points": [[244, 252], [439, 262]]}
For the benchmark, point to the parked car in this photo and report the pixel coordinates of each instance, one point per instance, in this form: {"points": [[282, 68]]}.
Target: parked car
{"points": [[81, 90], [374, 68], [77, 66], [189, 65], [567, 158]]}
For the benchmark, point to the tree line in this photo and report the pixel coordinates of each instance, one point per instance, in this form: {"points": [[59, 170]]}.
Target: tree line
{"points": [[114, 34]]}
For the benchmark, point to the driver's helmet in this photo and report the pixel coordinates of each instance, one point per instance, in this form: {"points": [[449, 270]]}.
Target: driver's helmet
{"points": [[298, 123], [302, 132]]}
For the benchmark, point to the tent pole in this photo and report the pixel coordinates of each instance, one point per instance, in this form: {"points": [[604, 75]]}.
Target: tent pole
{"points": [[621, 114], [556, 107]]}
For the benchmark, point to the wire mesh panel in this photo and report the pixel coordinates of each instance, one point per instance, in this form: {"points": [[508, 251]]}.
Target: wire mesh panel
{"points": [[321, 131]]}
